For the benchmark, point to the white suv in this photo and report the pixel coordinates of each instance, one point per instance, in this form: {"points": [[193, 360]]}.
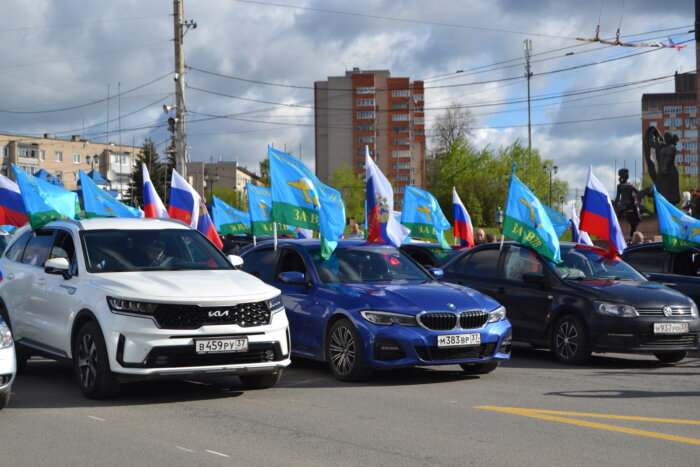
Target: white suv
{"points": [[134, 299]]}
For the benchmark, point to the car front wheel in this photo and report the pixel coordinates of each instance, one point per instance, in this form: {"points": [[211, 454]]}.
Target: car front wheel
{"points": [[569, 341], [91, 364], [344, 352], [670, 357]]}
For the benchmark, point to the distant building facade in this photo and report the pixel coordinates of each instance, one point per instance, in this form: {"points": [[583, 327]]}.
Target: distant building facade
{"points": [[676, 112], [204, 177], [369, 107], [63, 158]]}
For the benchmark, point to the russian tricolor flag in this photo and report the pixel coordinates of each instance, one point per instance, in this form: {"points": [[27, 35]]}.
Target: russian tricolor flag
{"points": [[381, 225], [187, 206], [598, 215], [463, 229], [578, 235], [152, 204], [12, 210]]}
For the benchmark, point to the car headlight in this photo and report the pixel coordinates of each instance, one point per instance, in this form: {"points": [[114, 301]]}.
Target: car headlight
{"points": [[5, 335], [693, 309], [119, 305], [274, 305], [498, 314], [615, 309], [385, 318]]}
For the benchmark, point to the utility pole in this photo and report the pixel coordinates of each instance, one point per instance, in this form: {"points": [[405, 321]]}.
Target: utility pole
{"points": [[181, 28], [697, 61], [527, 48]]}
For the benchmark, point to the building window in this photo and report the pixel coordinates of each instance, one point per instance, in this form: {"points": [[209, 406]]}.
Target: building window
{"points": [[691, 157], [418, 108], [120, 159], [399, 189], [365, 114], [420, 132], [400, 117], [400, 153], [399, 105], [417, 97], [656, 124], [402, 165], [59, 175], [361, 164], [400, 93], [95, 159], [419, 121], [26, 152], [365, 102], [673, 109], [402, 178], [364, 90], [673, 122], [42, 155], [5, 152], [76, 158], [361, 151], [690, 145], [400, 129], [690, 121], [652, 110], [365, 126], [691, 170], [365, 139], [679, 158], [690, 133], [59, 156], [690, 109], [401, 141]]}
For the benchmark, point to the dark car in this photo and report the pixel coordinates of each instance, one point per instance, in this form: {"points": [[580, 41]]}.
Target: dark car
{"points": [[677, 270], [369, 306], [592, 302], [430, 255]]}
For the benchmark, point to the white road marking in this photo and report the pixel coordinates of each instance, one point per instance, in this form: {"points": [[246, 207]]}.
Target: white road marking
{"points": [[217, 453], [184, 449], [96, 418]]}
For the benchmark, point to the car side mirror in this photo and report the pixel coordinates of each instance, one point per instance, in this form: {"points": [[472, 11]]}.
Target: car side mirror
{"points": [[293, 278], [534, 278], [236, 261], [437, 273], [57, 266]]}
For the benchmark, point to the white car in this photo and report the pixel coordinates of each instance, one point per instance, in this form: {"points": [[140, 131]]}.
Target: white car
{"points": [[7, 363], [134, 299]]}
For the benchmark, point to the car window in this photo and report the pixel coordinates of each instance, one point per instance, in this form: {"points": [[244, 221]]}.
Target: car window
{"points": [[520, 261], [261, 264], [63, 247], [292, 261], [590, 263], [421, 257], [14, 253], [37, 249], [480, 263], [686, 263], [648, 259]]}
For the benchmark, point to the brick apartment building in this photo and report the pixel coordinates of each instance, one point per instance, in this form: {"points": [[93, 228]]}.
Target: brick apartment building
{"points": [[369, 107], [204, 177], [676, 112]]}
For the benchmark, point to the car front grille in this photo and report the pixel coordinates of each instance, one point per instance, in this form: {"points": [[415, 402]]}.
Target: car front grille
{"points": [[445, 321], [185, 356], [432, 354], [680, 340], [675, 311], [193, 317]]}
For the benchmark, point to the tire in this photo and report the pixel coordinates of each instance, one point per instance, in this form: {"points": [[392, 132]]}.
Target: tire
{"points": [[4, 399], [91, 364], [21, 355], [671, 357], [344, 352], [569, 341], [480, 368], [261, 381]]}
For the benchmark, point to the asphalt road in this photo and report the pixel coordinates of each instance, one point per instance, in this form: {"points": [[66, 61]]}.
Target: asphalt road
{"points": [[619, 410]]}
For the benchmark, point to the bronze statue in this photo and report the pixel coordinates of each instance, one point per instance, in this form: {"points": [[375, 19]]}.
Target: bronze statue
{"points": [[626, 204], [664, 172]]}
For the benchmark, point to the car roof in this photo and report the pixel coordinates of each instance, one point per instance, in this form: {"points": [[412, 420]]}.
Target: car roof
{"points": [[315, 242], [116, 223]]}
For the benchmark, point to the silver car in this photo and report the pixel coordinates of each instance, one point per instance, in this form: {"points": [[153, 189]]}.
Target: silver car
{"points": [[8, 365]]}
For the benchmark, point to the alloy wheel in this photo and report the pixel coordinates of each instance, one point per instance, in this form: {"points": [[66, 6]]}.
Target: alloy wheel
{"points": [[567, 340], [87, 360], [342, 350]]}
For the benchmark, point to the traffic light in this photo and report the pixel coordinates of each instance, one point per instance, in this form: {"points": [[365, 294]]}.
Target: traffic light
{"points": [[171, 124]]}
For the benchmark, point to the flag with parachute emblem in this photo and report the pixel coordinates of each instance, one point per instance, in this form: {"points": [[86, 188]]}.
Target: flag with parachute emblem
{"points": [[259, 208], [45, 202], [679, 231], [421, 213], [227, 219], [99, 203]]}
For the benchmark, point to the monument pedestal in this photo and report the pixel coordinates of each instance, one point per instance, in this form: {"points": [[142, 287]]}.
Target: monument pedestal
{"points": [[649, 227]]}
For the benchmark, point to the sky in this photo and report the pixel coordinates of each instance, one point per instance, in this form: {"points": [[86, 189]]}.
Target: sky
{"points": [[103, 70]]}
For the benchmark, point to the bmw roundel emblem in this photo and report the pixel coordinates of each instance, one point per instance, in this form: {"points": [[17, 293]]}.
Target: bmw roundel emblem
{"points": [[451, 306], [667, 311]]}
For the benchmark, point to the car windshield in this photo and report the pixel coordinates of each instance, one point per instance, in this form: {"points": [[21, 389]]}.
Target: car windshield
{"points": [[366, 264], [149, 250], [583, 263]]}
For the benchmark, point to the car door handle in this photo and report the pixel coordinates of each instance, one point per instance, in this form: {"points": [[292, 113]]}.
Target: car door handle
{"points": [[500, 290], [10, 275]]}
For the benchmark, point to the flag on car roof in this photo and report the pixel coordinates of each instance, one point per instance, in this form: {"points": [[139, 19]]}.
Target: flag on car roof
{"points": [[381, 225], [259, 207], [527, 222], [679, 231], [462, 224], [227, 219], [421, 213], [598, 215], [45, 202], [578, 235], [99, 203], [187, 206], [152, 204], [300, 199], [559, 221], [11, 205]]}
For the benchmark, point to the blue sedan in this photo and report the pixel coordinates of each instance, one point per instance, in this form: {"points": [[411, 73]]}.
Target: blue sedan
{"points": [[369, 306]]}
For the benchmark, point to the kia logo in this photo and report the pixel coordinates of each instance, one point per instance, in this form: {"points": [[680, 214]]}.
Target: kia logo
{"points": [[218, 313], [667, 311]]}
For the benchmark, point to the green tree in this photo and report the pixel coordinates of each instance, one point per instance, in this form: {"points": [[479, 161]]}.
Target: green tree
{"points": [[352, 189], [156, 169], [264, 172], [232, 197]]}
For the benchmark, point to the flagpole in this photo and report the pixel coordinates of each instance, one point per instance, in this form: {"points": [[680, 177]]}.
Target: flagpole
{"points": [[274, 233]]}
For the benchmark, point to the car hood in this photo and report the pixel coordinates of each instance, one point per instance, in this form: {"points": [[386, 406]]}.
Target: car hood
{"points": [[635, 293], [414, 296], [185, 286]]}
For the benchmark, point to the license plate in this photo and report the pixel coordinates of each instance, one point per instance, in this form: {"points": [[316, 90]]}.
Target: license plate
{"points": [[459, 340], [670, 328], [235, 344]]}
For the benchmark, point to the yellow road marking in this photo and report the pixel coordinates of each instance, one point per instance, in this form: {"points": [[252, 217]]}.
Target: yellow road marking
{"points": [[550, 415]]}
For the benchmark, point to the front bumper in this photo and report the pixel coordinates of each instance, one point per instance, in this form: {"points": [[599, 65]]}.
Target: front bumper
{"points": [[397, 346], [8, 368], [139, 350], [636, 335]]}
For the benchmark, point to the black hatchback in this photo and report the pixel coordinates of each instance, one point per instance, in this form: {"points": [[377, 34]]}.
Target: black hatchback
{"points": [[592, 302]]}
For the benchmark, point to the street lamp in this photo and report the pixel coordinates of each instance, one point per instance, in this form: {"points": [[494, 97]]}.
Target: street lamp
{"points": [[550, 169], [210, 181]]}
